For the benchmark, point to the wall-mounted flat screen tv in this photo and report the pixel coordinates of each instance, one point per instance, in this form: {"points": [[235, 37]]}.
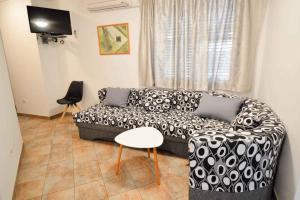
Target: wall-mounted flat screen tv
{"points": [[49, 21]]}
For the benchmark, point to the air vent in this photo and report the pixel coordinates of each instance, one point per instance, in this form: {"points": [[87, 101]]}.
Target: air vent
{"points": [[104, 5]]}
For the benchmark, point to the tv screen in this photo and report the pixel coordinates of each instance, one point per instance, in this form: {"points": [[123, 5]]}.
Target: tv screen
{"points": [[49, 21]]}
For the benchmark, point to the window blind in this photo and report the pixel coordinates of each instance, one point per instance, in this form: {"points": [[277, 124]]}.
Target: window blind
{"points": [[178, 37]]}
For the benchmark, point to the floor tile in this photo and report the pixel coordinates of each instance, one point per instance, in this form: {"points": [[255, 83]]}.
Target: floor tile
{"points": [[77, 142], [119, 184], [28, 132], [44, 129], [172, 165], [60, 177], [135, 162], [34, 160], [154, 192], [28, 138], [143, 176], [37, 149], [184, 198], [62, 140], [86, 173], [63, 132], [129, 153], [91, 191], [61, 152], [176, 186], [62, 195], [108, 168], [30, 189], [37, 198], [39, 141], [106, 150], [130, 195], [30, 174], [83, 154], [57, 164]]}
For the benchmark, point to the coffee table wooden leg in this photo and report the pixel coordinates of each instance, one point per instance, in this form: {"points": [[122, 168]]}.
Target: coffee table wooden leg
{"points": [[148, 153], [119, 159], [156, 166]]}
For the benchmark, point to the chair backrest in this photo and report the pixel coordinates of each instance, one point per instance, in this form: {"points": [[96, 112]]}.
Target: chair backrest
{"points": [[75, 90]]}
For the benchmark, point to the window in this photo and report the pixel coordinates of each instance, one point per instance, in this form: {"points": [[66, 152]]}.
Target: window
{"points": [[199, 44], [180, 49]]}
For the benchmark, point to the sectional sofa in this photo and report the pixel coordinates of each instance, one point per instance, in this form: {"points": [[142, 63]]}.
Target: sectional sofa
{"points": [[228, 160]]}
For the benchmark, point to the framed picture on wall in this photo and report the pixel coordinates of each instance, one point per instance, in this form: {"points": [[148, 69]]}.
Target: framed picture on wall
{"points": [[113, 39]]}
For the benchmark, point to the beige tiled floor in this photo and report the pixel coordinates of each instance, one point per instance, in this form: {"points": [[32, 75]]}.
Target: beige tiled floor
{"points": [[56, 164]]}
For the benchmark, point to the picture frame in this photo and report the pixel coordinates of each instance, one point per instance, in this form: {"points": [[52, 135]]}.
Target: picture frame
{"points": [[113, 39]]}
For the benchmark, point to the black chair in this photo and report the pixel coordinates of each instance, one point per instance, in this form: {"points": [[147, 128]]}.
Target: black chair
{"points": [[73, 96]]}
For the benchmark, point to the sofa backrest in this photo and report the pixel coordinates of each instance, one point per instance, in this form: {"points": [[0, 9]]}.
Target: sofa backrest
{"points": [[136, 96], [184, 100], [134, 99], [251, 114]]}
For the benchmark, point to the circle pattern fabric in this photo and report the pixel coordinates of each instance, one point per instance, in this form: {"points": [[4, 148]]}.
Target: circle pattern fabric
{"points": [[157, 100], [247, 155], [237, 157]]}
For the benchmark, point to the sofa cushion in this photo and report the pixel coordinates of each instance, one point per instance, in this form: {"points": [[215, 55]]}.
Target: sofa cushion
{"points": [[172, 123], [251, 115], [135, 97], [116, 97], [216, 107], [156, 100], [102, 94], [186, 100]]}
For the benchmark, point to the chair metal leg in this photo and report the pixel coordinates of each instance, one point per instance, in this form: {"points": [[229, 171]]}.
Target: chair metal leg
{"points": [[64, 112]]}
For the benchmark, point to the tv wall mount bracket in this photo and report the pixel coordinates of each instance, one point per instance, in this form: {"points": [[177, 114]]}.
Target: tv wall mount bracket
{"points": [[46, 38]]}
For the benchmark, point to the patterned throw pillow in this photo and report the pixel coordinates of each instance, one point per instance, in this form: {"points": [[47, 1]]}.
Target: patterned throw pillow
{"points": [[135, 97], [102, 94], [248, 119], [156, 100], [187, 100]]}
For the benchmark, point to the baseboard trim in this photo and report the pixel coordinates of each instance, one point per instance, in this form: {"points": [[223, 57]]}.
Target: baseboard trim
{"points": [[40, 116], [55, 116]]}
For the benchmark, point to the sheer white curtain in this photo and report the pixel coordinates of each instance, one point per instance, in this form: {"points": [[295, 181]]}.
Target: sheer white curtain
{"points": [[199, 44]]}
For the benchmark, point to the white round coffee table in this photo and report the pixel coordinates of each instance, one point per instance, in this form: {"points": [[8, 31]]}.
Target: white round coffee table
{"points": [[144, 138]]}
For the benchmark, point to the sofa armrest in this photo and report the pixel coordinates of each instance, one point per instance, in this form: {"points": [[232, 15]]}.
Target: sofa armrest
{"points": [[234, 161]]}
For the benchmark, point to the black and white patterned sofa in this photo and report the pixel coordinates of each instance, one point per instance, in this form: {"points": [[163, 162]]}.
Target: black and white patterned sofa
{"points": [[169, 111], [234, 160], [239, 163]]}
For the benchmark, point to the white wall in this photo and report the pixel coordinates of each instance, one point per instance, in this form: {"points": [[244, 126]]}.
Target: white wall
{"points": [[98, 71], [11, 141], [279, 86], [54, 71], [54, 74], [297, 196], [79, 59], [23, 58]]}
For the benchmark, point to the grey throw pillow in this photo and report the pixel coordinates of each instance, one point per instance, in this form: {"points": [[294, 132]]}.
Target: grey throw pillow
{"points": [[116, 97], [221, 108]]}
